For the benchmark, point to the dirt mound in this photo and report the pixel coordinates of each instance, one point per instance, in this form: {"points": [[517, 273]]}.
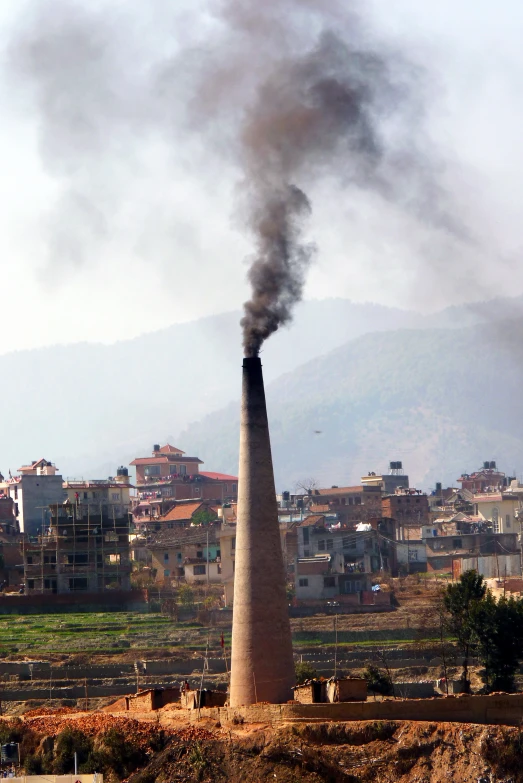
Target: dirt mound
{"points": [[38, 711], [377, 752]]}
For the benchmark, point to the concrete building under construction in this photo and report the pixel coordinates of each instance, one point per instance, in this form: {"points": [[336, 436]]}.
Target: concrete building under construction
{"points": [[85, 549]]}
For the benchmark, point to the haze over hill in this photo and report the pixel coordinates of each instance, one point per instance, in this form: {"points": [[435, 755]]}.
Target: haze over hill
{"points": [[90, 407], [440, 400]]}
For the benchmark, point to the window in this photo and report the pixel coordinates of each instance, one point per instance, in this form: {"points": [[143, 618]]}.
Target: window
{"points": [[306, 553], [166, 557], [413, 555], [329, 581], [199, 570], [29, 560], [330, 544], [233, 544], [348, 543], [305, 535], [166, 572], [225, 487], [343, 501], [16, 510], [235, 488], [16, 493], [116, 496], [321, 546], [303, 582], [507, 520], [86, 495], [495, 520], [50, 584], [183, 470], [357, 501], [173, 469], [30, 584], [152, 470], [218, 553], [197, 491], [50, 559], [77, 558], [77, 583]]}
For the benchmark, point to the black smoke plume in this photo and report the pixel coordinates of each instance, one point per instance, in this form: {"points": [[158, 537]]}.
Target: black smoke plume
{"points": [[311, 115], [289, 93]]}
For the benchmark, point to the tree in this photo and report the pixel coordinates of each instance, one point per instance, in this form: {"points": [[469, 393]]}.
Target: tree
{"points": [[307, 485], [378, 681], [498, 632], [186, 595], [460, 600], [304, 671], [203, 517]]}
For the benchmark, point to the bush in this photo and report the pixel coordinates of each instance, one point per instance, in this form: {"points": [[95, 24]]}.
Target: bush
{"points": [[304, 671], [378, 681]]}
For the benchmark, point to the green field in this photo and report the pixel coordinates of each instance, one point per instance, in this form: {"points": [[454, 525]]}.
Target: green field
{"points": [[107, 633]]}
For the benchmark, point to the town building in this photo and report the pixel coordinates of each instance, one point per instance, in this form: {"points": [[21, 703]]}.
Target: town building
{"points": [[488, 478], [502, 509], [169, 474], [191, 554], [408, 507], [181, 514], [388, 482], [351, 504], [85, 549], [32, 491], [444, 553]]}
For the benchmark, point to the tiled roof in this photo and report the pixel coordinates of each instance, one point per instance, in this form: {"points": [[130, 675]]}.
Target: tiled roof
{"points": [[337, 490], [218, 476], [163, 460], [183, 511], [313, 519], [168, 449], [318, 509], [178, 538]]}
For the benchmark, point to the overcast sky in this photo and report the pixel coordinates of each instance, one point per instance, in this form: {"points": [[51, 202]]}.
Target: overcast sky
{"points": [[151, 235]]}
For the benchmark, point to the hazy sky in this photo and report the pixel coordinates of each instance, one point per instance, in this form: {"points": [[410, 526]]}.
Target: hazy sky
{"points": [[150, 236]]}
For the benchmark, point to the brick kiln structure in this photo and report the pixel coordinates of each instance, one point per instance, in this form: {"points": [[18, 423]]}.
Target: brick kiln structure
{"points": [[262, 666]]}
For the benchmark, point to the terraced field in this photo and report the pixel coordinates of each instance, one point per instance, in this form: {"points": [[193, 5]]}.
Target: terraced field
{"points": [[101, 633]]}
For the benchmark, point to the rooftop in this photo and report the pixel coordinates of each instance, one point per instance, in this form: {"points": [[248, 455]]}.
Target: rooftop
{"points": [[183, 511], [218, 476]]}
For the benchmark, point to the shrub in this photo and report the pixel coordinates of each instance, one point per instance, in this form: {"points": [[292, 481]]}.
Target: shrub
{"points": [[304, 671], [378, 681]]}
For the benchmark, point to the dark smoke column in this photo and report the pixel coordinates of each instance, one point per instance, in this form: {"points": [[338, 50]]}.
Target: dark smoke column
{"points": [[262, 666]]}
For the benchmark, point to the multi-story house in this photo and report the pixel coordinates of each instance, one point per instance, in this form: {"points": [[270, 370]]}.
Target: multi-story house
{"points": [[85, 549], [488, 478], [408, 507], [192, 554], [351, 504], [388, 482], [32, 491], [169, 474]]}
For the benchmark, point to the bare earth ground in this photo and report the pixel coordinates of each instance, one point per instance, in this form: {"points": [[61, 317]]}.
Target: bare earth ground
{"points": [[355, 752]]}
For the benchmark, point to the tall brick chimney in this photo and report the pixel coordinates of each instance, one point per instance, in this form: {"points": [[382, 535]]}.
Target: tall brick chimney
{"points": [[262, 666]]}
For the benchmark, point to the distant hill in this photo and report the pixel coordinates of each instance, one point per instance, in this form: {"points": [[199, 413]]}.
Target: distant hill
{"points": [[440, 400], [89, 407]]}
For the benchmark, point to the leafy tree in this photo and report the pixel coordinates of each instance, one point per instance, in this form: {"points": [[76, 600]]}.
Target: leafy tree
{"points": [[498, 631], [186, 595], [304, 671], [460, 600], [203, 517], [378, 681]]}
